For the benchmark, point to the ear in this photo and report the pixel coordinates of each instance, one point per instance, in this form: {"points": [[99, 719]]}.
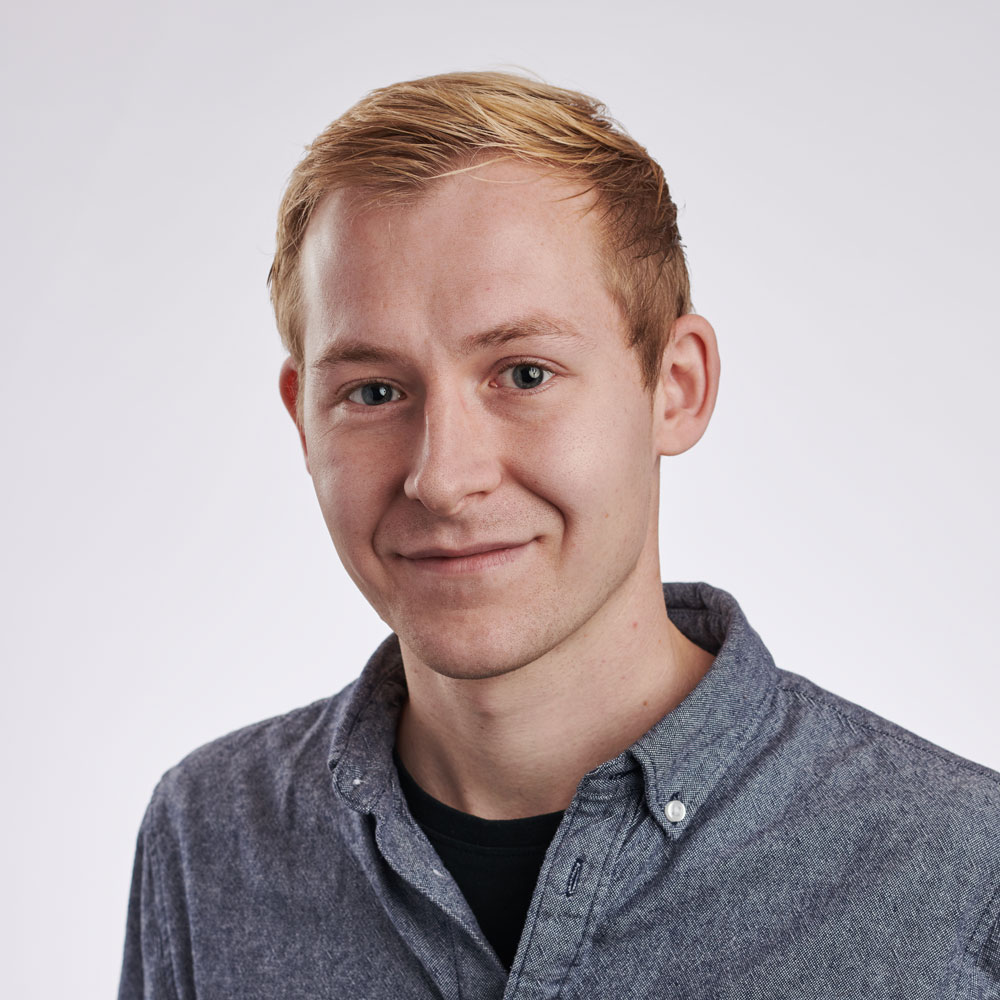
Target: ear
{"points": [[689, 382], [288, 386]]}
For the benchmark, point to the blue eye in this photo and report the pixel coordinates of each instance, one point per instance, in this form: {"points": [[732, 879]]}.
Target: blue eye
{"points": [[527, 375], [373, 394]]}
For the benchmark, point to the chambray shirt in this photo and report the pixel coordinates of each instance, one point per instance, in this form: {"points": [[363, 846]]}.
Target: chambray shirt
{"points": [[765, 839]]}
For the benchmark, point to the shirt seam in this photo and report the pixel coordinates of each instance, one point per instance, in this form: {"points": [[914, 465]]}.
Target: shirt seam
{"points": [[973, 950], [453, 935], [570, 814], [956, 762], [602, 878]]}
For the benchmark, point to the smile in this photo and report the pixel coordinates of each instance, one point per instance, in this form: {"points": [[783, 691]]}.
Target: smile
{"points": [[472, 559]]}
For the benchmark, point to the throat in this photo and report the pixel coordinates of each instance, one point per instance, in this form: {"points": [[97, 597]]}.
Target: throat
{"points": [[517, 745]]}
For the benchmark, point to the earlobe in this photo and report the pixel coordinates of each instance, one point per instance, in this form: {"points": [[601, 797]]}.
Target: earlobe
{"points": [[688, 386], [288, 387]]}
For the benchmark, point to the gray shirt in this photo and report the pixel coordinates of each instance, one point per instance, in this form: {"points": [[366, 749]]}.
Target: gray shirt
{"points": [[766, 839]]}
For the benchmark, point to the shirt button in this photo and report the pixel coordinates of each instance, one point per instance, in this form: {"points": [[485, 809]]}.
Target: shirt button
{"points": [[675, 810]]}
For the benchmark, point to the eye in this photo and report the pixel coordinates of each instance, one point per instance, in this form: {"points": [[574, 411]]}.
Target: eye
{"points": [[526, 375], [374, 394]]}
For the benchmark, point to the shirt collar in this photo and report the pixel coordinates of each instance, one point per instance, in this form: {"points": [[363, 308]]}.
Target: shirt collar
{"points": [[681, 758], [688, 751]]}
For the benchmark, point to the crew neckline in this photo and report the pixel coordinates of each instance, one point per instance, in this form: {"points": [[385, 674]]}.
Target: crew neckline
{"points": [[432, 814]]}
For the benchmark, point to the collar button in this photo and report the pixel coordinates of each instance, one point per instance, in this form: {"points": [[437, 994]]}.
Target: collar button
{"points": [[675, 810]]}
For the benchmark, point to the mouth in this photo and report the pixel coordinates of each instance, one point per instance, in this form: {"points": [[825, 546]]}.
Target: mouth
{"points": [[437, 552], [470, 558]]}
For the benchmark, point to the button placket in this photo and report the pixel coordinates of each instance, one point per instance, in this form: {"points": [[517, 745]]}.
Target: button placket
{"points": [[564, 897]]}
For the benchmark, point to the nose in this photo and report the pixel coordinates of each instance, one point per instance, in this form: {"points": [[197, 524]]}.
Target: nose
{"points": [[455, 457]]}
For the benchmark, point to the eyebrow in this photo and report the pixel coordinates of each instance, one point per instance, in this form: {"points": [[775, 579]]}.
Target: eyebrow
{"points": [[363, 353]]}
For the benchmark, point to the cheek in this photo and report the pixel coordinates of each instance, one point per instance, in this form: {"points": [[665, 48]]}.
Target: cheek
{"points": [[353, 484], [596, 466]]}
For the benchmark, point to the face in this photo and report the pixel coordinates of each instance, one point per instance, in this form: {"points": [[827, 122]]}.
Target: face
{"points": [[475, 425]]}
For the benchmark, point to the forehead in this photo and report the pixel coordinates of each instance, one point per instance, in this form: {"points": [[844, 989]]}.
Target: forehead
{"points": [[502, 237]]}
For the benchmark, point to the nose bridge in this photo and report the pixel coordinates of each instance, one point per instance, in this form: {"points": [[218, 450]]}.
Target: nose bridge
{"points": [[454, 457]]}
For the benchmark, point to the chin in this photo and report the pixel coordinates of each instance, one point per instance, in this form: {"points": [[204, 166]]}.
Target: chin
{"points": [[475, 652]]}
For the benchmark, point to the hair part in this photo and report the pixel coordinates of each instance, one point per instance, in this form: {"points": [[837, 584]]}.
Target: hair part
{"points": [[399, 139]]}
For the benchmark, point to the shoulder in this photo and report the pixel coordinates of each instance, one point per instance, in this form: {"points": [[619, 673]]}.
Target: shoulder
{"points": [[912, 790], [269, 766], [845, 722], [905, 813]]}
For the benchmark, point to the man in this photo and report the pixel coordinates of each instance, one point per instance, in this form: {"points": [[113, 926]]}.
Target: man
{"points": [[558, 777]]}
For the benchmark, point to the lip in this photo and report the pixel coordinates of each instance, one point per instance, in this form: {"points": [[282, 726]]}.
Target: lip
{"points": [[436, 552], [469, 559]]}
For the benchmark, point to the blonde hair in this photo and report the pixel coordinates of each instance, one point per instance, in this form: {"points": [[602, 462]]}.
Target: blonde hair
{"points": [[397, 140]]}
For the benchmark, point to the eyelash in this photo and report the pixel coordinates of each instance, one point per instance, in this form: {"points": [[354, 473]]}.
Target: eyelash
{"points": [[527, 363], [508, 366]]}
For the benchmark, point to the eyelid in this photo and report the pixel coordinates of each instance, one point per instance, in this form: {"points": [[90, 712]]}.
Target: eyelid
{"points": [[345, 392], [344, 396], [509, 364]]}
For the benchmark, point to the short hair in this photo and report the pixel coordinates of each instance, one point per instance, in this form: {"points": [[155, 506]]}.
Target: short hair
{"points": [[397, 140]]}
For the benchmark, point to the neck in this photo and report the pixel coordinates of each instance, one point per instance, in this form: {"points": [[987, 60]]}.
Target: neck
{"points": [[518, 744]]}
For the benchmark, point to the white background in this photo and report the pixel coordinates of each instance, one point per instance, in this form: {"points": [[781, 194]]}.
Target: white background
{"points": [[166, 573]]}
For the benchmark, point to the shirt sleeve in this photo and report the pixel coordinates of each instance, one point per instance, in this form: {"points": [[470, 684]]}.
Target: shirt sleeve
{"points": [[146, 970]]}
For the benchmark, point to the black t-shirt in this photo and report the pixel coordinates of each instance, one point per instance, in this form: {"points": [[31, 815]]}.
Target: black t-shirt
{"points": [[494, 862]]}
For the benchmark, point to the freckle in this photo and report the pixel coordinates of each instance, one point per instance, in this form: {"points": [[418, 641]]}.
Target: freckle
{"points": [[645, 703], [606, 515]]}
